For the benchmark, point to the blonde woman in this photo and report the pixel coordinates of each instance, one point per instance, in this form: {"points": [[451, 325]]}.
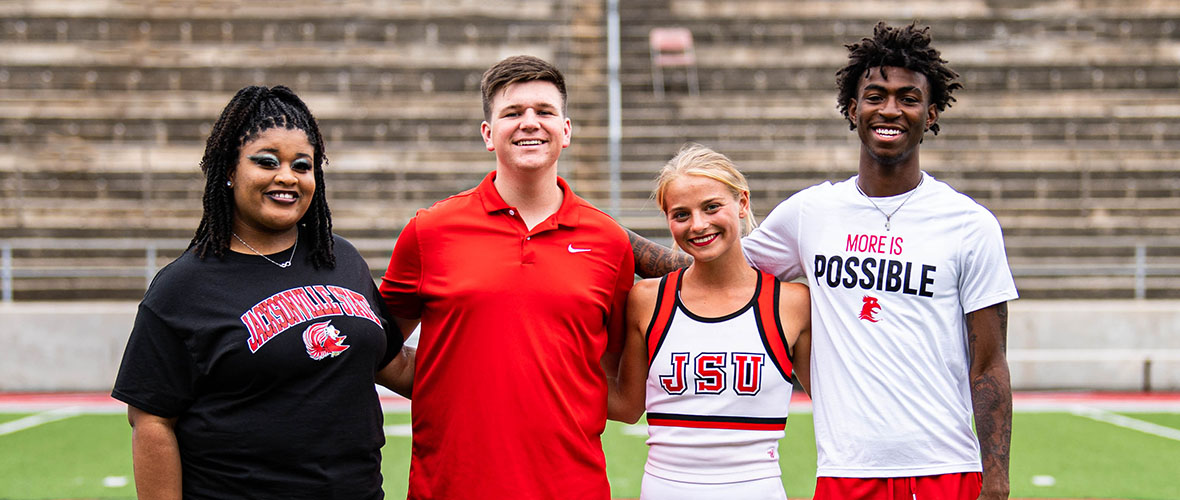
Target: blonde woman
{"points": [[711, 348]]}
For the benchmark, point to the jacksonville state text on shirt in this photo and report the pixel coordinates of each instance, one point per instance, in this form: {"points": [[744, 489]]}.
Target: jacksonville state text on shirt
{"points": [[271, 316]]}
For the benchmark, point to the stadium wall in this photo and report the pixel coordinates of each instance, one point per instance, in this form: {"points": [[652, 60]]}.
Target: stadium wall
{"points": [[1078, 345]]}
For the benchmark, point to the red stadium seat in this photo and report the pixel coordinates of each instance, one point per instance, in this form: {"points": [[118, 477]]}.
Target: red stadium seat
{"points": [[672, 47]]}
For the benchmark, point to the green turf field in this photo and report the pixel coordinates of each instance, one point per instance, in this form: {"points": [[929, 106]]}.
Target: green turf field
{"points": [[1070, 456]]}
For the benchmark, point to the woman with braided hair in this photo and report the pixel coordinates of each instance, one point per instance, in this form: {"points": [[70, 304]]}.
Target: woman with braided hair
{"points": [[250, 369]]}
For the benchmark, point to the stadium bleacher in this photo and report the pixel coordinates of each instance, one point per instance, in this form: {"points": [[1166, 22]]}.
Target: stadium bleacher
{"points": [[1068, 127]]}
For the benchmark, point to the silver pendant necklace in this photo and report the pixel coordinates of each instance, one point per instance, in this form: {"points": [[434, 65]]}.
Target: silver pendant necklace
{"points": [[283, 265], [889, 216]]}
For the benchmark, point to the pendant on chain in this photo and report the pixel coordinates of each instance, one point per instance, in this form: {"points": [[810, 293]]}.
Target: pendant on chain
{"points": [[889, 216]]}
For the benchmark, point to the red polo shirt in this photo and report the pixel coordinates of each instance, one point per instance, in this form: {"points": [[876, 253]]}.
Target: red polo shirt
{"points": [[509, 396]]}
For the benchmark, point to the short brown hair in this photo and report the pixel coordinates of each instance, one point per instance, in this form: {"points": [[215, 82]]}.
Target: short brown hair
{"points": [[518, 69]]}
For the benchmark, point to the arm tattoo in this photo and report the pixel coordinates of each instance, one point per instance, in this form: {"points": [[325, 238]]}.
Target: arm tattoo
{"points": [[993, 420], [653, 260], [991, 391], [1002, 314]]}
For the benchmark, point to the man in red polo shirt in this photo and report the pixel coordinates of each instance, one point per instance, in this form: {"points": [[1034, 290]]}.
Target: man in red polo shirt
{"points": [[519, 285]]}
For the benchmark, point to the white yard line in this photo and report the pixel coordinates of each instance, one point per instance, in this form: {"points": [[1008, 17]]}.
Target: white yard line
{"points": [[38, 419], [399, 430], [1126, 422], [635, 430]]}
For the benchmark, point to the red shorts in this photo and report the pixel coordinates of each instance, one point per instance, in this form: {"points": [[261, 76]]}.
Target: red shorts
{"points": [[956, 486]]}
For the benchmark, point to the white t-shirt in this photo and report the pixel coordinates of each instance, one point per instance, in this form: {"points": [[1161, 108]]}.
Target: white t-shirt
{"points": [[889, 370]]}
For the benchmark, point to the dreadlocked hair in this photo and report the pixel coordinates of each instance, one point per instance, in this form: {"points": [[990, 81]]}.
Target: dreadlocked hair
{"points": [[906, 47], [254, 110]]}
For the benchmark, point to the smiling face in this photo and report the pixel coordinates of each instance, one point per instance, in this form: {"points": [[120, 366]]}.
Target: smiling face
{"points": [[273, 182], [892, 112], [527, 130], [704, 216]]}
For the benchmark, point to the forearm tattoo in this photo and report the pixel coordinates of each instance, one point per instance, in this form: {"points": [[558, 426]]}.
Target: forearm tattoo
{"points": [[993, 421], [991, 393], [653, 260]]}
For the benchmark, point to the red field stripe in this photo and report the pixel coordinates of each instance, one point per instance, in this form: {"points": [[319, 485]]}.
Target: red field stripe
{"points": [[21, 402], [51, 400], [1098, 397]]}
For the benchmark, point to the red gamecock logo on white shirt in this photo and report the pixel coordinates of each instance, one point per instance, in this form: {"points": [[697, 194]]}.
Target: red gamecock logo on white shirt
{"points": [[323, 340], [868, 312]]}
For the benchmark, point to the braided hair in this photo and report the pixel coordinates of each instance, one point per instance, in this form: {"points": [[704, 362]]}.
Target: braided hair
{"points": [[252, 111], [906, 47]]}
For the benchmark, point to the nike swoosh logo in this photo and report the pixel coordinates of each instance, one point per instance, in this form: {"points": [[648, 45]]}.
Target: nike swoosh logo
{"points": [[576, 250]]}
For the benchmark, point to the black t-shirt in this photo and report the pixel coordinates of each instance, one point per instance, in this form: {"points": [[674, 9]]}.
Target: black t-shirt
{"points": [[269, 371]]}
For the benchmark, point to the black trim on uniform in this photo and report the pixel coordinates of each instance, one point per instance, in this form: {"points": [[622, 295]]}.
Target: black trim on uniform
{"points": [[762, 334], [718, 418], [656, 315], [753, 300]]}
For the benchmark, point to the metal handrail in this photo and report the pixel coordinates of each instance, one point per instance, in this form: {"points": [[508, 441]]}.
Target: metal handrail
{"points": [[1139, 268], [150, 246], [1090, 270]]}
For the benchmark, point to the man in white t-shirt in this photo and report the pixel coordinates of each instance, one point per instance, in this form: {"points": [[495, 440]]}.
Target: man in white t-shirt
{"points": [[909, 284]]}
